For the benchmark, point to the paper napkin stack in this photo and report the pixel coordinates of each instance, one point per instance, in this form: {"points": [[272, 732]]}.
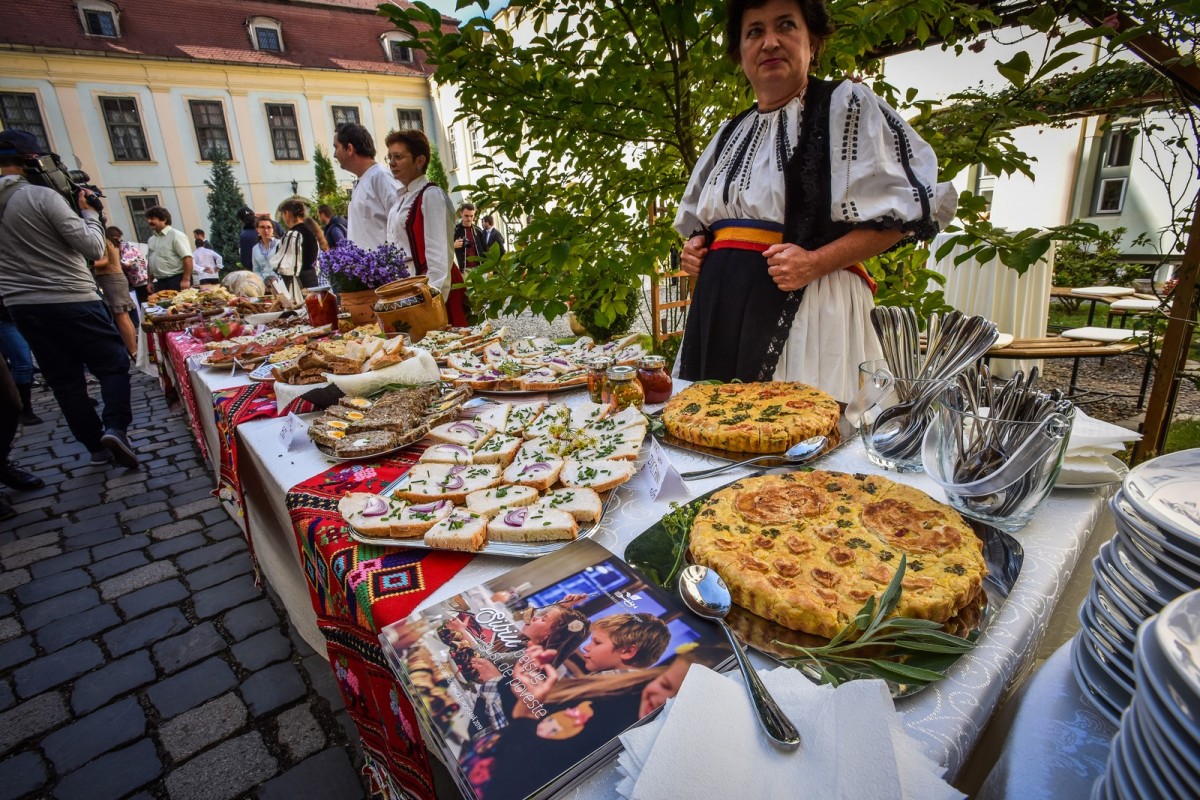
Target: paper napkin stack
{"points": [[1090, 449], [707, 744]]}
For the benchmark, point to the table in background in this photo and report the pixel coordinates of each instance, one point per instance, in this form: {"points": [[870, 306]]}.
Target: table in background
{"points": [[1018, 304]]}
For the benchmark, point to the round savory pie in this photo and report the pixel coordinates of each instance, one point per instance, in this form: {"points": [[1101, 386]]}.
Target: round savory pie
{"points": [[750, 417], [807, 549]]}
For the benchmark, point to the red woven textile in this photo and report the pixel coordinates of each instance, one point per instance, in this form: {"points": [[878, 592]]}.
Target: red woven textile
{"points": [[356, 589]]}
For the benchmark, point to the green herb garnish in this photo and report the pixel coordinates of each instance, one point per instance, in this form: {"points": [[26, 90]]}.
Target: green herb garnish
{"points": [[923, 651], [678, 524]]}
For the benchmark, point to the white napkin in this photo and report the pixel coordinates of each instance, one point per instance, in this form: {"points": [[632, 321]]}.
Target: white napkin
{"points": [[1093, 437], [710, 746], [285, 393]]}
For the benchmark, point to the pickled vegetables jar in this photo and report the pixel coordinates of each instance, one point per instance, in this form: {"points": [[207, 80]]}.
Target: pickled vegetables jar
{"points": [[622, 389], [322, 306], [596, 367], [656, 383]]}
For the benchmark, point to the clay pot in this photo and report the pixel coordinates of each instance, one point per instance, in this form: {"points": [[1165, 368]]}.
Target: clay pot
{"points": [[360, 305], [410, 306]]}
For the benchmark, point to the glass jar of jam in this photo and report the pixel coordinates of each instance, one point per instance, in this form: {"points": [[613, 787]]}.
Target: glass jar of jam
{"points": [[622, 389], [596, 367], [322, 306], [656, 383]]}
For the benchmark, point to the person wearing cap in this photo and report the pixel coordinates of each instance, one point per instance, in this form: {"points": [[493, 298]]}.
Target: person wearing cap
{"points": [[52, 297]]}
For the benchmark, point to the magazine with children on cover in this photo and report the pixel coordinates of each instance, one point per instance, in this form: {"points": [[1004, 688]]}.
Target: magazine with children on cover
{"points": [[526, 681]]}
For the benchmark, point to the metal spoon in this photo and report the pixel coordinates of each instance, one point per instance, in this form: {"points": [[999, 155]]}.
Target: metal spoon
{"points": [[796, 454], [707, 596]]}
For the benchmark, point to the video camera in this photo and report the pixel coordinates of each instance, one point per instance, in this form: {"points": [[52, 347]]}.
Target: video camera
{"points": [[48, 170]]}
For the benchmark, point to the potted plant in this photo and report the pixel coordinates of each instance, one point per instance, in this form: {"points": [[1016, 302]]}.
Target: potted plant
{"points": [[355, 274]]}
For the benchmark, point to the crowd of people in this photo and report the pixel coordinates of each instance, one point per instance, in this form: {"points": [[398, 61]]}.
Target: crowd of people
{"points": [[71, 288]]}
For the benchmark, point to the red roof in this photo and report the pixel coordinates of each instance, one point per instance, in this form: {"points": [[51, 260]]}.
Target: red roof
{"points": [[324, 34]]}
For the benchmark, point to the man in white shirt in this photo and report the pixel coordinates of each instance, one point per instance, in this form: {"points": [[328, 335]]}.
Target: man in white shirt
{"points": [[375, 192], [207, 264]]}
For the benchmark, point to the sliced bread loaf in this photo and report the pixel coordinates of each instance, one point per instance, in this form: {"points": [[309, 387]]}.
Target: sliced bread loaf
{"points": [[459, 530], [532, 525], [501, 498], [599, 474], [583, 504]]}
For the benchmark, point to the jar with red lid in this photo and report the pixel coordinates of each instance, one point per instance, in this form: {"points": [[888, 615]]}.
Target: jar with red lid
{"points": [[656, 383]]}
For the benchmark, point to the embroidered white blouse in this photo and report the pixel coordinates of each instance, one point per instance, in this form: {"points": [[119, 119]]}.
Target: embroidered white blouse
{"points": [[882, 172], [881, 168], [438, 213]]}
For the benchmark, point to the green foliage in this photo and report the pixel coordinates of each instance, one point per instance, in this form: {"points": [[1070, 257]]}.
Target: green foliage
{"points": [[1090, 263], [225, 198], [639, 87], [328, 192], [437, 171], [604, 112], [591, 316], [904, 281]]}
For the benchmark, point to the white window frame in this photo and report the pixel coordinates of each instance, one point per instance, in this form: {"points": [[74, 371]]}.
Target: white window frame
{"points": [[104, 7], [1105, 182], [268, 23], [386, 40], [1108, 174], [452, 146]]}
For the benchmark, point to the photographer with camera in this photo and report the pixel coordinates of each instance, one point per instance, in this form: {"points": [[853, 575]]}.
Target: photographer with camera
{"points": [[45, 245]]}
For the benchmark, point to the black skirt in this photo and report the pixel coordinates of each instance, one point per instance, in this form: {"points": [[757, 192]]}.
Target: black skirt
{"points": [[735, 316]]}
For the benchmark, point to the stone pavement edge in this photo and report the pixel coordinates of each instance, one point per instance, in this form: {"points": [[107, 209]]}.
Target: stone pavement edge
{"points": [[137, 657]]}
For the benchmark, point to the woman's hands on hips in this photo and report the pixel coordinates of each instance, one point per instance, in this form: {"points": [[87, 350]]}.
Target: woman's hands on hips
{"points": [[694, 251], [791, 266]]}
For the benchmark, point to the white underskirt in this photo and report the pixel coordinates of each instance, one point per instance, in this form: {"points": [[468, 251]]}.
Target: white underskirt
{"points": [[831, 335]]}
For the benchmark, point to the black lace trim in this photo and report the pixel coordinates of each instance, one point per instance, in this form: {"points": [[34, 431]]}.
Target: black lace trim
{"points": [[920, 230]]}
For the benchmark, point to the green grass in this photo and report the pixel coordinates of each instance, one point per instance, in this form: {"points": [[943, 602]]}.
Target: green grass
{"points": [[1183, 435]]}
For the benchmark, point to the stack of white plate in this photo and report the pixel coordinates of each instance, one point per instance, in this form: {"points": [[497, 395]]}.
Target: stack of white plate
{"points": [[1156, 752], [1154, 558]]}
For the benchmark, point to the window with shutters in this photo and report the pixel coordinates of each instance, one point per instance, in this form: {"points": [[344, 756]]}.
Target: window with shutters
{"points": [[345, 114], [124, 125], [139, 204], [410, 119], [19, 111], [212, 138], [285, 133]]}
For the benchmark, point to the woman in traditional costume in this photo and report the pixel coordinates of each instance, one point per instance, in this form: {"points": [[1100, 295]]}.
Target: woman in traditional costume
{"points": [[422, 223], [787, 201]]}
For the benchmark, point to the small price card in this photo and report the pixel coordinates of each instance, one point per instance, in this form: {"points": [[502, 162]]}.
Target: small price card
{"points": [[662, 478], [292, 425]]}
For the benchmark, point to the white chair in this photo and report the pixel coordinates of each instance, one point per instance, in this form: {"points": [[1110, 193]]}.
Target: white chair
{"points": [[1130, 306]]}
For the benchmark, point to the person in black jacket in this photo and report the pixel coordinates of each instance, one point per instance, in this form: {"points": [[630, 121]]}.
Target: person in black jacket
{"points": [[468, 238], [334, 225], [249, 236], [491, 236], [296, 218]]}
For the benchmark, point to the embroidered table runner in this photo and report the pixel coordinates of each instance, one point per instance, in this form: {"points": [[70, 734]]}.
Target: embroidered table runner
{"points": [[356, 589]]}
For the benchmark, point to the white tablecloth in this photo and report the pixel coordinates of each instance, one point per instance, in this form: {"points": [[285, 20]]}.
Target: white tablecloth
{"points": [[947, 718], [1058, 743], [1018, 304]]}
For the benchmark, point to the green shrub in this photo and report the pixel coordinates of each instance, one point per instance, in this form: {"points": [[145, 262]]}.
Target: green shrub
{"points": [[1094, 263]]}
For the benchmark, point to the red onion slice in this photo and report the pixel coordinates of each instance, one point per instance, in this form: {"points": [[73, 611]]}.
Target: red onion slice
{"points": [[454, 482], [516, 517], [538, 466], [455, 448], [463, 427], [429, 508], [458, 468], [375, 507]]}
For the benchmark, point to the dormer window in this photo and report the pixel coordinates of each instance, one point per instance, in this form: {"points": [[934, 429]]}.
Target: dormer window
{"points": [[100, 18], [266, 34], [396, 49]]}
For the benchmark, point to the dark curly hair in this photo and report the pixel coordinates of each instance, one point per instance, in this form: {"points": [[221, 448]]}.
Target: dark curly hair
{"points": [[816, 18]]}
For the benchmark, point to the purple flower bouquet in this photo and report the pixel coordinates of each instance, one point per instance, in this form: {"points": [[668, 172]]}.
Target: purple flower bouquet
{"points": [[349, 268]]}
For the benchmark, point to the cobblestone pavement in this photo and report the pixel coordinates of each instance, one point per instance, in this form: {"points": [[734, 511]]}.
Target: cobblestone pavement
{"points": [[137, 657]]}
